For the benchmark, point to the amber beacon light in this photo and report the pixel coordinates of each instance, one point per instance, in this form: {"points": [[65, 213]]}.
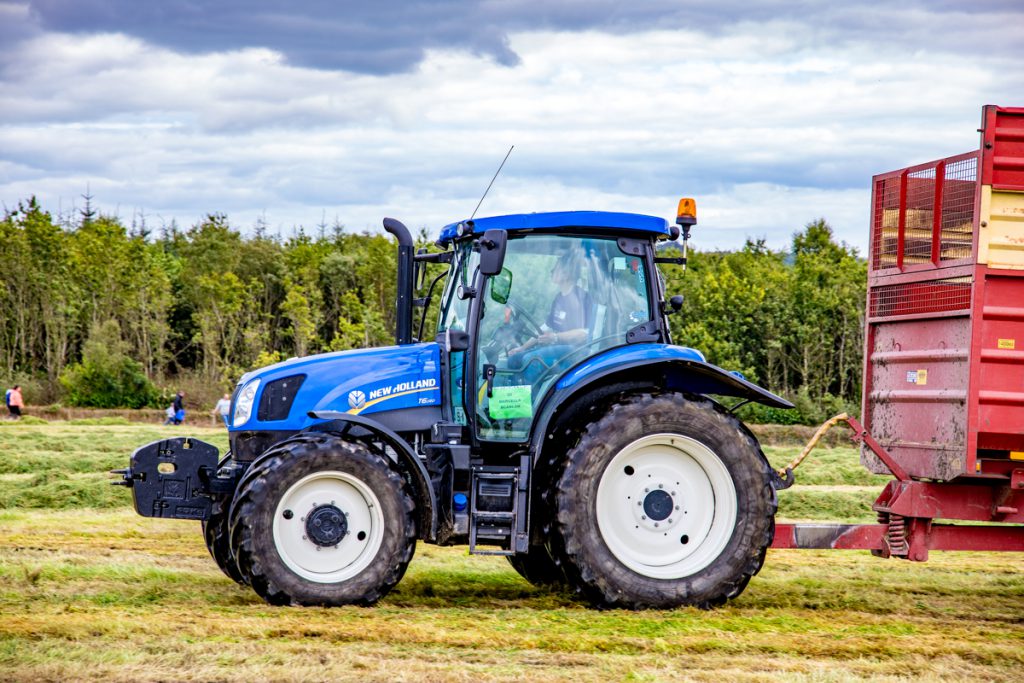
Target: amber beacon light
{"points": [[687, 212]]}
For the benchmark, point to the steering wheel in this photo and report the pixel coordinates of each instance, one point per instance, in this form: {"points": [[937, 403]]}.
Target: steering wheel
{"points": [[523, 324], [520, 328]]}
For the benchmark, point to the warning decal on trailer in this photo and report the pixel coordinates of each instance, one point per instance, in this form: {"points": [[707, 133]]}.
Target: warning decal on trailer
{"points": [[919, 377], [1007, 343]]}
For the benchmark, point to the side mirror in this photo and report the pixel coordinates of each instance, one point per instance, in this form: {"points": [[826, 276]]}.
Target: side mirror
{"points": [[453, 340], [676, 303], [501, 286], [492, 251]]}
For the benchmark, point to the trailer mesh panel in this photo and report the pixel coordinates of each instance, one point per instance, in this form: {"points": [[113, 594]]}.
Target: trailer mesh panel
{"points": [[958, 209], [884, 245], [934, 203], [915, 298]]}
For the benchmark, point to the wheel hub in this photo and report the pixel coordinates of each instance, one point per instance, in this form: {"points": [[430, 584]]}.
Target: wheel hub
{"points": [[658, 505], [326, 526]]}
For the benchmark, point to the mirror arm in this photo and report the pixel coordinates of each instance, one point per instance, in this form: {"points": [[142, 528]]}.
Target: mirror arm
{"points": [[436, 257]]}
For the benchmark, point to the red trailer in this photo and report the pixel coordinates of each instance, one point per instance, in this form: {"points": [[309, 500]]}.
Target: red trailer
{"points": [[943, 402]]}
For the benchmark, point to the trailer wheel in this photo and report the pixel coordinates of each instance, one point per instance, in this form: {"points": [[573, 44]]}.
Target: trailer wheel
{"points": [[665, 501], [322, 521], [218, 541], [538, 567]]}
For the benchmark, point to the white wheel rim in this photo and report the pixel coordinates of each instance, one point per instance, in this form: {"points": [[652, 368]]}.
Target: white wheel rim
{"points": [[355, 550], [690, 493]]}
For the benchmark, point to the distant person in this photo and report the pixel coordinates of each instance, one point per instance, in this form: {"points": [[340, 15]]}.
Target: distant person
{"points": [[179, 407], [14, 401], [223, 408], [176, 412]]}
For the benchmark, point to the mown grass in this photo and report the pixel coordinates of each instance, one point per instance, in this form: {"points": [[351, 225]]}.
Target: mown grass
{"points": [[66, 465], [98, 593]]}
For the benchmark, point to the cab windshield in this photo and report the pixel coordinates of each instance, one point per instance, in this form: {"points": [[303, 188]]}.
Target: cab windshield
{"points": [[558, 301]]}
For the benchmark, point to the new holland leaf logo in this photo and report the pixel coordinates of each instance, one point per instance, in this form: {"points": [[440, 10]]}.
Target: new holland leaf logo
{"points": [[356, 399]]}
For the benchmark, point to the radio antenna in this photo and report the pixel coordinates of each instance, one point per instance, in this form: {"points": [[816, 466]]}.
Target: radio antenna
{"points": [[500, 166]]}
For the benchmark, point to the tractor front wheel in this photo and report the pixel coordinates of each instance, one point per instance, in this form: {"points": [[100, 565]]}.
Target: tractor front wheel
{"points": [[322, 521], [215, 533], [665, 501]]}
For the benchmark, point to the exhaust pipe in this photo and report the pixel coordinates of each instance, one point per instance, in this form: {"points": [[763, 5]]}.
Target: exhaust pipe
{"points": [[403, 302]]}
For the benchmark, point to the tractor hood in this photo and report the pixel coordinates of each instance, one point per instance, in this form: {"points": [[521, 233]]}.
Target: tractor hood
{"points": [[359, 382]]}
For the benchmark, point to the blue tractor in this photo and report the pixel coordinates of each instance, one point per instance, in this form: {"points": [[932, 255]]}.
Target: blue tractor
{"points": [[551, 421]]}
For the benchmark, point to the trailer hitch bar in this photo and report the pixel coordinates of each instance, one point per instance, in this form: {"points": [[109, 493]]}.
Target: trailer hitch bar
{"points": [[785, 474]]}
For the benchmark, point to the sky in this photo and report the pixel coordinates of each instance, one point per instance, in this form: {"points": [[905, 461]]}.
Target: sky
{"points": [[335, 112]]}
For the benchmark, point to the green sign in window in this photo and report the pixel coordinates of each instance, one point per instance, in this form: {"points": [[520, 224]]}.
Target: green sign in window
{"points": [[507, 403]]}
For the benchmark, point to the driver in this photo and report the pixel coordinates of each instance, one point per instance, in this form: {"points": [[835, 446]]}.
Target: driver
{"points": [[564, 329]]}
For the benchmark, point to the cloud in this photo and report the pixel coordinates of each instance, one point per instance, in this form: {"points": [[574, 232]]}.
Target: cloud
{"points": [[390, 36], [769, 123]]}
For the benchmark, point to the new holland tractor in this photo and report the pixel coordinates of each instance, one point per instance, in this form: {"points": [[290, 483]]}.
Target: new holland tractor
{"points": [[551, 421]]}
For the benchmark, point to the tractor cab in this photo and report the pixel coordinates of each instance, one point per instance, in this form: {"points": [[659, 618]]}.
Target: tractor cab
{"points": [[529, 297]]}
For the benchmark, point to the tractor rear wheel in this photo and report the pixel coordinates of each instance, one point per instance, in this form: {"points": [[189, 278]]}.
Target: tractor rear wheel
{"points": [[538, 567], [322, 521], [666, 500]]}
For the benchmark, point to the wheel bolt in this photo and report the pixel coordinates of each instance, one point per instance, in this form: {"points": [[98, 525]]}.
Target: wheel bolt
{"points": [[661, 486]]}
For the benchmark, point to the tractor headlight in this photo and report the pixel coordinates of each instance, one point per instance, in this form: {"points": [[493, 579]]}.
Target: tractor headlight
{"points": [[244, 402]]}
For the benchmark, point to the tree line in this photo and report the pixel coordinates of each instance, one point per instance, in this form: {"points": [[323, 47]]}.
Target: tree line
{"points": [[791, 320], [93, 312]]}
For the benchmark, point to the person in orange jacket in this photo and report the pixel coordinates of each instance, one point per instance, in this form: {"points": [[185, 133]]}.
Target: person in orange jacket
{"points": [[14, 401]]}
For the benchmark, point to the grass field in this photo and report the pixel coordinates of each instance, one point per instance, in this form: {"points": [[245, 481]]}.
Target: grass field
{"points": [[90, 591]]}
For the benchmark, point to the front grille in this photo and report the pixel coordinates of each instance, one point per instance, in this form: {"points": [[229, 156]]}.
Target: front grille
{"points": [[277, 398]]}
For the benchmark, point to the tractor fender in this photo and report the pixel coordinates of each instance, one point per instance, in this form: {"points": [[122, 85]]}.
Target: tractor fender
{"points": [[666, 366], [360, 427]]}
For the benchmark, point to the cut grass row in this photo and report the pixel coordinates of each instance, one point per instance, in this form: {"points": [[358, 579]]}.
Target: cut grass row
{"points": [[91, 591], [106, 595], [64, 466]]}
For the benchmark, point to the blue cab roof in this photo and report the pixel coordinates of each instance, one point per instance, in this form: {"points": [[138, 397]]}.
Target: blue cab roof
{"points": [[592, 220]]}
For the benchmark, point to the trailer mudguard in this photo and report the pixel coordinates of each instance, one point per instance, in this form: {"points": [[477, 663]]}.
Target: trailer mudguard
{"points": [[360, 427], [674, 367]]}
